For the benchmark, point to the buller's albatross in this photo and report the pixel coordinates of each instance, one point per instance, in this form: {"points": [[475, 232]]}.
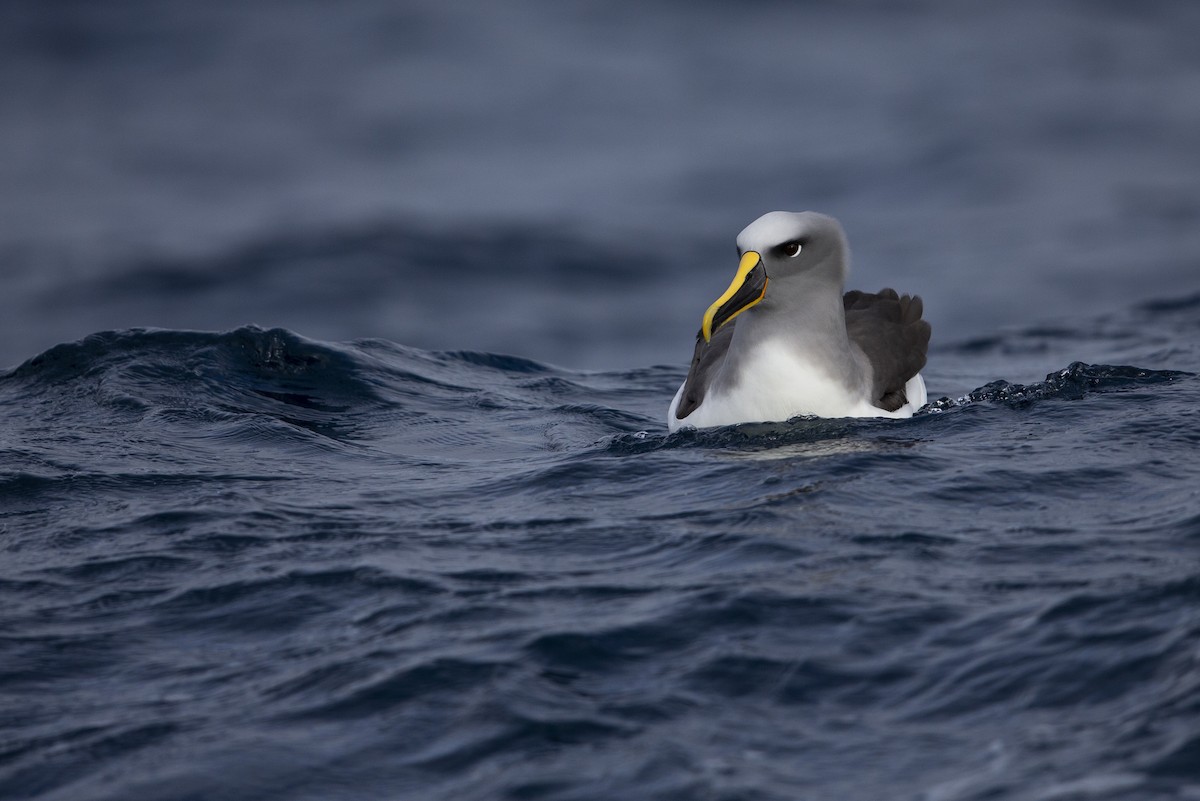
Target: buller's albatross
{"points": [[784, 341]]}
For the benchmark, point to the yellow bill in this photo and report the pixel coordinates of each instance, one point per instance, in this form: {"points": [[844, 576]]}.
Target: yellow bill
{"points": [[748, 287]]}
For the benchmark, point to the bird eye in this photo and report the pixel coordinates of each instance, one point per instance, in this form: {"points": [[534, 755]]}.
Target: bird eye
{"points": [[790, 248]]}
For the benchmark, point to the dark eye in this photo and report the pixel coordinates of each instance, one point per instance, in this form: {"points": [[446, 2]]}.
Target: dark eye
{"points": [[790, 248]]}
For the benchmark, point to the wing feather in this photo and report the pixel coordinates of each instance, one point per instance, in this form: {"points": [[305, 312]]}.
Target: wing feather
{"points": [[889, 329]]}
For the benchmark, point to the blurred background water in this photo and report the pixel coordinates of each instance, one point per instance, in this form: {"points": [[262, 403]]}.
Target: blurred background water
{"points": [[331, 170], [412, 527]]}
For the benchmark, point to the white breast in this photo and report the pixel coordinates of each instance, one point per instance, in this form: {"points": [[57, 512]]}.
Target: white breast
{"points": [[776, 384]]}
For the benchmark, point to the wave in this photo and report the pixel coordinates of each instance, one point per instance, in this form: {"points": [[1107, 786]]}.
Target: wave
{"points": [[259, 384], [1070, 383]]}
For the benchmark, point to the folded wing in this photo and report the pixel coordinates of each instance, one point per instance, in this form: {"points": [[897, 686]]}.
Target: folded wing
{"points": [[705, 361], [889, 329]]}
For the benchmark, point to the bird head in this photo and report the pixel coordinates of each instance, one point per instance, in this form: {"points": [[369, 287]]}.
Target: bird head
{"points": [[782, 248]]}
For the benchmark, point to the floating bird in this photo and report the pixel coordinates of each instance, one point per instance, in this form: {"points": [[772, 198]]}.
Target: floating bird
{"points": [[784, 341]]}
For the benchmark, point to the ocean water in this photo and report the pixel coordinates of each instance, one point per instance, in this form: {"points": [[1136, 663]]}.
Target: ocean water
{"points": [[251, 565], [335, 351]]}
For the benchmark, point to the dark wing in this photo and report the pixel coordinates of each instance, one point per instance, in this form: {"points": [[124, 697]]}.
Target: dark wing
{"points": [[705, 362], [889, 329]]}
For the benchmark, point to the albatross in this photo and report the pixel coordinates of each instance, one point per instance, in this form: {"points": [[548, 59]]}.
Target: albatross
{"points": [[784, 341]]}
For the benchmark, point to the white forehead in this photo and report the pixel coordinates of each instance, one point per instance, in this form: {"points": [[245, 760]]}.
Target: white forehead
{"points": [[774, 228]]}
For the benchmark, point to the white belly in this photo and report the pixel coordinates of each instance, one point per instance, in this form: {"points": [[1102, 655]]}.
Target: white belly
{"points": [[777, 385]]}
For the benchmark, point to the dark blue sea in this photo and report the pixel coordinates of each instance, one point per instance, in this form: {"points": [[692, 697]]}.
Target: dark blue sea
{"points": [[336, 342]]}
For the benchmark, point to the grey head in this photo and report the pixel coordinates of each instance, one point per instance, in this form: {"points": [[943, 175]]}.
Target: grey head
{"points": [[802, 255], [793, 243]]}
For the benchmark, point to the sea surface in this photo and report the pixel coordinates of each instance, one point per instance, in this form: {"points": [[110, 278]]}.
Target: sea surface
{"points": [[336, 343]]}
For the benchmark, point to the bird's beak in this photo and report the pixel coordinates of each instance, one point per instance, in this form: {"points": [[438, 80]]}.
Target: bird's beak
{"points": [[748, 287]]}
